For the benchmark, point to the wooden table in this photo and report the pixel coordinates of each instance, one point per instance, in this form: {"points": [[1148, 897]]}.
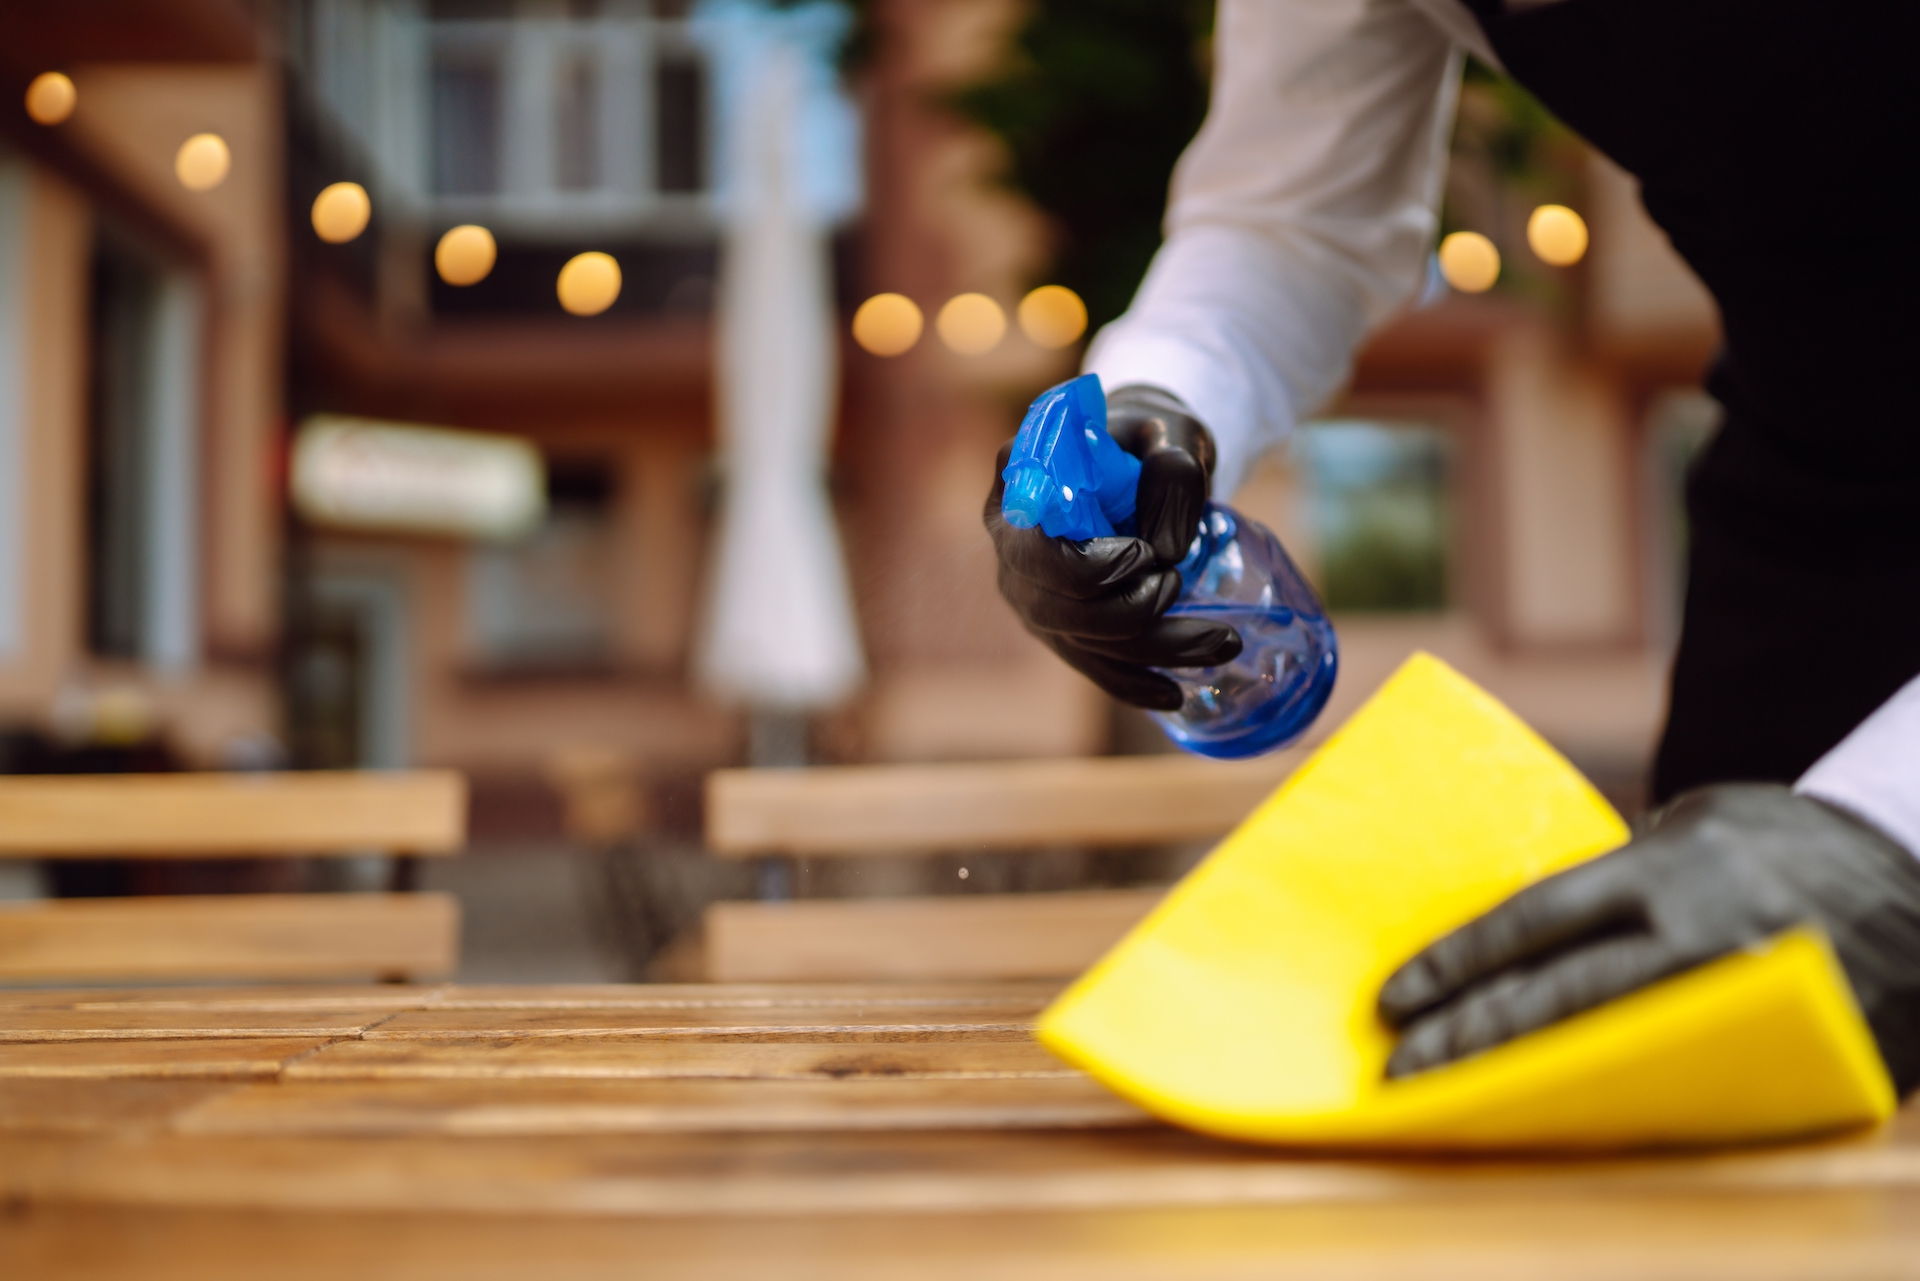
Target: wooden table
{"points": [[844, 1132]]}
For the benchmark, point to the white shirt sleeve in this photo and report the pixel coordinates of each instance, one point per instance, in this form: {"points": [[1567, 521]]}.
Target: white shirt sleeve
{"points": [[1299, 218], [1874, 772]]}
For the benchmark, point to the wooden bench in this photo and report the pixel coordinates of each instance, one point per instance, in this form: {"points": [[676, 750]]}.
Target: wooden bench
{"points": [[871, 810], [276, 936]]}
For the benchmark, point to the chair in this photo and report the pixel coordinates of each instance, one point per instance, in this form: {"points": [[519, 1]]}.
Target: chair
{"points": [[862, 811], [231, 936]]}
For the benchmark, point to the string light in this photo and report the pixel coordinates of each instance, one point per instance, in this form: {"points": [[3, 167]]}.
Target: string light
{"points": [[1557, 235], [51, 98], [971, 324], [1052, 316], [888, 324], [1469, 262], [202, 162], [465, 255], [589, 283], [341, 212]]}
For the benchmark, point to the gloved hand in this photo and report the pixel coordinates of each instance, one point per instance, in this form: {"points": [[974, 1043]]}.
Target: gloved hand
{"points": [[1099, 603], [1721, 867]]}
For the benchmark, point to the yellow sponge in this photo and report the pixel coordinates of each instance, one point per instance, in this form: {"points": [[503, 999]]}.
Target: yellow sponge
{"points": [[1244, 1005]]}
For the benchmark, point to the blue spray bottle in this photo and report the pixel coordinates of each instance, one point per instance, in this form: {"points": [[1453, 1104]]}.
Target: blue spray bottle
{"points": [[1067, 476]]}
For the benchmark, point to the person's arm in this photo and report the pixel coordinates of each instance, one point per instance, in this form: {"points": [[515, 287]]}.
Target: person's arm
{"points": [[1874, 773], [1301, 216]]}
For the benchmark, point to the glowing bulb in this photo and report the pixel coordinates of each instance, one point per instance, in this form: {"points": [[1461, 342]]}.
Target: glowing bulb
{"points": [[51, 98], [202, 162], [1557, 234], [1052, 316], [340, 212], [589, 283], [971, 324], [887, 324], [464, 255], [1469, 262]]}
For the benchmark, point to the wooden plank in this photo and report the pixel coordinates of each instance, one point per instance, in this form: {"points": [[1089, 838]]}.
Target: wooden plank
{"points": [[957, 936], [196, 815], [222, 1058], [464, 1107], [1701, 1237], [688, 996], [1012, 1021], [79, 1106], [834, 1173], [270, 936], [604, 1058], [840, 811], [292, 996], [179, 1023]]}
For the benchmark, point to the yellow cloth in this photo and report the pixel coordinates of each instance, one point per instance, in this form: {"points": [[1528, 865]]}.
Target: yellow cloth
{"points": [[1244, 1005]]}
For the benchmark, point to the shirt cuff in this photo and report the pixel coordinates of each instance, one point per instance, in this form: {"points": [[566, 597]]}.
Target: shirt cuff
{"points": [[1874, 772], [1221, 403]]}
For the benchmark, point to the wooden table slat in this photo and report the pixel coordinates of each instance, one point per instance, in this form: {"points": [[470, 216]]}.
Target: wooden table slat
{"points": [[1013, 1019], [128, 1023], [555, 1057], [653, 1105], [218, 1058]]}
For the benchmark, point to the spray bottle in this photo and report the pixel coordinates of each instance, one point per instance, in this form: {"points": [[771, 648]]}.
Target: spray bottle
{"points": [[1068, 476]]}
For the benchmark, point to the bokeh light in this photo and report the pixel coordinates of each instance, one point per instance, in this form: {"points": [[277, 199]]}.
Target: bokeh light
{"points": [[51, 98], [971, 324], [1052, 316], [340, 212], [202, 162], [1557, 235], [888, 324], [465, 255], [589, 283], [1469, 262]]}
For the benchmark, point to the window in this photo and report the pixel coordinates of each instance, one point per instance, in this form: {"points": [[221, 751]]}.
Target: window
{"points": [[577, 121], [680, 114], [466, 119], [1380, 512], [544, 602], [142, 459], [561, 111]]}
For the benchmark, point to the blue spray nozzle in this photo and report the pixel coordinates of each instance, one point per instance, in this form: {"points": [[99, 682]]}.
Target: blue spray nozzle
{"points": [[1066, 474], [1025, 504]]}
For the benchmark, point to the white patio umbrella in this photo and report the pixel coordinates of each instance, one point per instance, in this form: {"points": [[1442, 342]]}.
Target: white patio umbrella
{"points": [[779, 631]]}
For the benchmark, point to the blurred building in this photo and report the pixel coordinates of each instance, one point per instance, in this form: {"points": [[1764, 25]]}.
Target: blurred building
{"points": [[140, 381], [1498, 485]]}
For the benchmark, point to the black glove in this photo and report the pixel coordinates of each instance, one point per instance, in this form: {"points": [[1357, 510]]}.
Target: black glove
{"points": [[1719, 868], [1098, 604]]}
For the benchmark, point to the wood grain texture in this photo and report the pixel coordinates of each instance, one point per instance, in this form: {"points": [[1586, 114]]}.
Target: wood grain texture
{"points": [[999, 936], [560, 1057], [197, 815], [855, 1171], [222, 1058], [849, 811], [677, 996], [578, 1141], [542, 1107], [181, 1023], [1691, 1237], [214, 998], [1012, 1021], [231, 935], [80, 1106]]}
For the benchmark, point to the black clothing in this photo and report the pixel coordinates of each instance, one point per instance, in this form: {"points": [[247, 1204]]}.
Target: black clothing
{"points": [[1775, 145]]}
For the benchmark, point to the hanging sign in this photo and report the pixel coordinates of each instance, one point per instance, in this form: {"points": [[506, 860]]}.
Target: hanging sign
{"points": [[353, 473]]}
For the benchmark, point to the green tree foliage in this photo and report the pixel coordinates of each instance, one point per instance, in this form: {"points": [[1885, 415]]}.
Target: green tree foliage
{"points": [[1095, 104]]}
